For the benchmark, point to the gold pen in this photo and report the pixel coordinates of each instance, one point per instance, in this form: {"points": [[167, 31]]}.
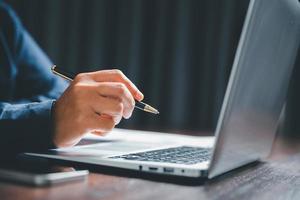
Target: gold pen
{"points": [[68, 76]]}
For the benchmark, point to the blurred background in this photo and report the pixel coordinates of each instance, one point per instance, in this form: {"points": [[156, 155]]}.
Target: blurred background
{"points": [[178, 52]]}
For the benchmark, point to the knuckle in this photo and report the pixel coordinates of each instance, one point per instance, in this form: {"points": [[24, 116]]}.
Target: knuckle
{"points": [[119, 107], [78, 91], [79, 77], [77, 88], [121, 88], [118, 72]]}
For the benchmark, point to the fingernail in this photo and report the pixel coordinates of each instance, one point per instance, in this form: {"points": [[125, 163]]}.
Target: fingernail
{"points": [[139, 96]]}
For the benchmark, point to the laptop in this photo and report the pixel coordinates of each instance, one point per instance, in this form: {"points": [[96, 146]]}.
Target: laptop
{"points": [[248, 119]]}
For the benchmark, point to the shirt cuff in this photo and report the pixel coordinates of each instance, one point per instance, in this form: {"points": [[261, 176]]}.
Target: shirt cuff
{"points": [[27, 127]]}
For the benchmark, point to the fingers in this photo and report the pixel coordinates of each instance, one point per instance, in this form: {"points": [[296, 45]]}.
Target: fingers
{"points": [[116, 76], [100, 124], [108, 106], [94, 102], [117, 97]]}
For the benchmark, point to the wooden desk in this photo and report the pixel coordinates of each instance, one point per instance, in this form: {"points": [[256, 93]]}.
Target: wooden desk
{"points": [[277, 179]]}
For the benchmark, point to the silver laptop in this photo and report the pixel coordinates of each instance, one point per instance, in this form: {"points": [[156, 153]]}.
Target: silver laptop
{"points": [[248, 119]]}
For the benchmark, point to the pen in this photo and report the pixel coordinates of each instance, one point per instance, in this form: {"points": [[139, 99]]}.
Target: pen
{"points": [[68, 76]]}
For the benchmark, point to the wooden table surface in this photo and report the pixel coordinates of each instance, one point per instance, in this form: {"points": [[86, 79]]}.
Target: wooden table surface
{"points": [[279, 178]]}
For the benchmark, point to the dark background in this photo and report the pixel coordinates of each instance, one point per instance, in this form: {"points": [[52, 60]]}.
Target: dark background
{"points": [[178, 52]]}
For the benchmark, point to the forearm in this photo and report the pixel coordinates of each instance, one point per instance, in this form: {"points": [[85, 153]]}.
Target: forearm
{"points": [[25, 127], [25, 78]]}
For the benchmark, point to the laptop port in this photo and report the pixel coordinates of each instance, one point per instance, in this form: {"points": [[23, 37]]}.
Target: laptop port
{"points": [[152, 168], [168, 170]]}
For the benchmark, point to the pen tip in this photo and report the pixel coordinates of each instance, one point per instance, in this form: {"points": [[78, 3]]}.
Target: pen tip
{"points": [[151, 109]]}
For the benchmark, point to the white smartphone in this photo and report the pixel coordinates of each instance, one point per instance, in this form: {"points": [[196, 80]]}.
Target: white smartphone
{"points": [[40, 175]]}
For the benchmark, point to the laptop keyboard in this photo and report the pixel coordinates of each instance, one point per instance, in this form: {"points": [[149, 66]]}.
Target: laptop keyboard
{"points": [[179, 155]]}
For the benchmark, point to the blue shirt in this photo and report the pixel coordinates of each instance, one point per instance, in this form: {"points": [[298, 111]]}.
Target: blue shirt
{"points": [[27, 88]]}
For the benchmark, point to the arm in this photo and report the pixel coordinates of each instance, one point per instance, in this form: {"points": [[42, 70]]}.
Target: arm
{"points": [[94, 102], [27, 89]]}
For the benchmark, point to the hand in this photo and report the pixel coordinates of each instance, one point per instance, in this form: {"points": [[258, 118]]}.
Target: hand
{"points": [[94, 102]]}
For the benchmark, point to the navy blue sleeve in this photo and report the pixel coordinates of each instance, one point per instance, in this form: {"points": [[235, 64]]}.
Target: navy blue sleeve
{"points": [[27, 88]]}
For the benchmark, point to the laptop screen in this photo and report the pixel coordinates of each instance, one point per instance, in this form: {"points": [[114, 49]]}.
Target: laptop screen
{"points": [[258, 84]]}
